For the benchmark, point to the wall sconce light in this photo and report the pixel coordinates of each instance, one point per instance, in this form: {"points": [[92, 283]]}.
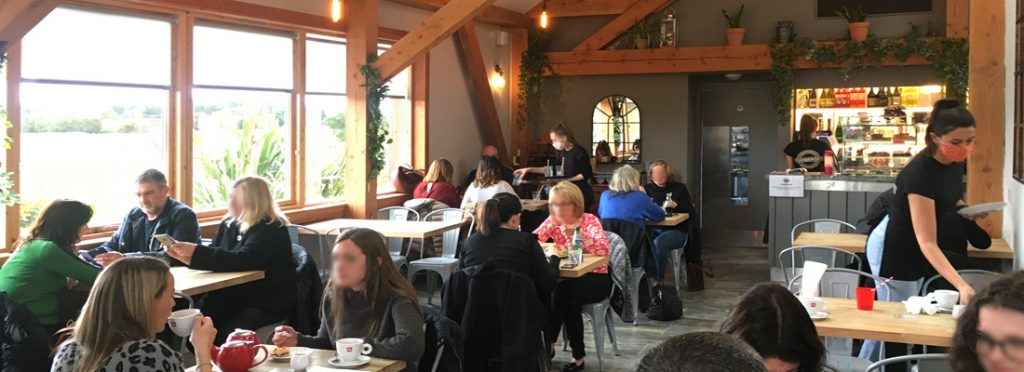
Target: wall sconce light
{"points": [[336, 10], [544, 15], [497, 78]]}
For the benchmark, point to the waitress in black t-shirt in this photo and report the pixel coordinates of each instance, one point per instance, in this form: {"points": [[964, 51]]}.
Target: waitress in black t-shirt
{"points": [[807, 152], [574, 159], [929, 190]]}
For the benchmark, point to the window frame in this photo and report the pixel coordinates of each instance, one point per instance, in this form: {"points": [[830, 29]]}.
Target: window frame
{"points": [[180, 115], [1018, 98]]}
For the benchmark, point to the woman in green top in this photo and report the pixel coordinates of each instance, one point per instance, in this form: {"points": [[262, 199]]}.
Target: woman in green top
{"points": [[45, 259]]}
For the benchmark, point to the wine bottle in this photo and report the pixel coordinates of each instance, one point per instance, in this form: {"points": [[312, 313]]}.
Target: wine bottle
{"points": [[872, 98], [812, 100], [829, 99], [883, 97], [896, 96]]}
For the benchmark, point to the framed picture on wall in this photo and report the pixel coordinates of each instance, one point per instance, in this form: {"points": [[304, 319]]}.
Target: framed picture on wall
{"points": [[828, 8]]}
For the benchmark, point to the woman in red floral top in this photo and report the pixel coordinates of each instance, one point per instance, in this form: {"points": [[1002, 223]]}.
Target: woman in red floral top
{"points": [[566, 207]]}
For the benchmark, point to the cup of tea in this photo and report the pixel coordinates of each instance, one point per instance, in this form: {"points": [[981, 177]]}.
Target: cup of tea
{"points": [[813, 305], [181, 321], [349, 349], [946, 298]]}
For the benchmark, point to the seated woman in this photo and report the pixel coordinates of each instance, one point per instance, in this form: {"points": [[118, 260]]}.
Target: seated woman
{"points": [[500, 241], [664, 185], [487, 184], [43, 261], [366, 298], [772, 320], [566, 206], [990, 333], [437, 184], [254, 236], [127, 307]]}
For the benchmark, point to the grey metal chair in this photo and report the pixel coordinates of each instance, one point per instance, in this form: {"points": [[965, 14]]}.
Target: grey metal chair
{"points": [[679, 267], [398, 247], [925, 362], [977, 279], [843, 283], [321, 251], [822, 225], [636, 276], [447, 263], [833, 257], [600, 316]]}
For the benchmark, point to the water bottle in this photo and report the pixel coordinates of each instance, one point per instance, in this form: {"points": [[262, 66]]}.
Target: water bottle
{"points": [[576, 251], [667, 205]]}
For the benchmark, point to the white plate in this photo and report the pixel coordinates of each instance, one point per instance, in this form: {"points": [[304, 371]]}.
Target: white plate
{"points": [[335, 362], [980, 209], [291, 351], [821, 315]]}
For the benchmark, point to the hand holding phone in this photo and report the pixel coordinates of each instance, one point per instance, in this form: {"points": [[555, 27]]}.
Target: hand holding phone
{"points": [[166, 240]]}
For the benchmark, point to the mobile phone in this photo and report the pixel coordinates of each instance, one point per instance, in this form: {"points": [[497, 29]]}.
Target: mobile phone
{"points": [[165, 239], [568, 266]]}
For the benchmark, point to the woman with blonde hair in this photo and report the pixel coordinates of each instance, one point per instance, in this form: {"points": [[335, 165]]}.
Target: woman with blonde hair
{"points": [[568, 216], [128, 305], [254, 236], [367, 298], [625, 200], [664, 189], [574, 160], [437, 184]]}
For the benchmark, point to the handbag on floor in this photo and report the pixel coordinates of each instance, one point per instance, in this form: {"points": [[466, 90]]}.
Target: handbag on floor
{"points": [[665, 304]]}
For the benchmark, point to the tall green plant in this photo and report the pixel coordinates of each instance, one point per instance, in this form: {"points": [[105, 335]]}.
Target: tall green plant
{"points": [[734, 19], [534, 63], [7, 195], [260, 154], [376, 126]]}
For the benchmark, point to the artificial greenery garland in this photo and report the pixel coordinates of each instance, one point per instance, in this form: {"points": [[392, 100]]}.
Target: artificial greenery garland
{"points": [[376, 131], [533, 64], [949, 56]]}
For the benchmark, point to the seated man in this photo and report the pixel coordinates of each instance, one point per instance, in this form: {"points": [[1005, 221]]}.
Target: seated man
{"points": [[156, 214], [702, 352], [490, 151]]}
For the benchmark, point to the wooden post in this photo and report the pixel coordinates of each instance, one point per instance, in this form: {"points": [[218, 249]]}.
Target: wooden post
{"points": [[519, 119], [13, 107], [483, 101], [420, 110], [17, 17], [957, 17], [986, 84], [637, 11], [360, 189]]}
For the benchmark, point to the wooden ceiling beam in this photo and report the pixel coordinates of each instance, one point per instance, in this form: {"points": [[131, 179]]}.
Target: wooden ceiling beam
{"points": [[428, 34], [580, 8], [494, 15], [483, 101], [17, 17], [636, 11]]}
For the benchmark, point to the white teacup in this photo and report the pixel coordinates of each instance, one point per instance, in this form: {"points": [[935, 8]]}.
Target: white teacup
{"points": [[300, 358], [915, 304], [181, 321], [958, 310], [349, 349], [813, 305], [946, 298]]}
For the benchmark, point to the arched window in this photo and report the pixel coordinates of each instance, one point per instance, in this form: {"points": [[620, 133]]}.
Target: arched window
{"points": [[616, 136]]}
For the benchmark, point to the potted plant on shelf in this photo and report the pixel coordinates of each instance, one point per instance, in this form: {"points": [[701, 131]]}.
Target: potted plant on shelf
{"points": [[857, 20], [645, 33], [734, 34]]}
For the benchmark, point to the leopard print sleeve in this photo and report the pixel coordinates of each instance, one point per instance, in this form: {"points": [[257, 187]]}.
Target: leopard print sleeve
{"points": [[145, 356]]}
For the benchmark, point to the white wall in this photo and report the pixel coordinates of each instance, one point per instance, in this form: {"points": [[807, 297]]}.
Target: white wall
{"points": [[1013, 216], [452, 130]]}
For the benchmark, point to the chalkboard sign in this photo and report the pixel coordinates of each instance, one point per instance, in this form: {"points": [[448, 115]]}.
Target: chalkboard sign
{"points": [[828, 8]]}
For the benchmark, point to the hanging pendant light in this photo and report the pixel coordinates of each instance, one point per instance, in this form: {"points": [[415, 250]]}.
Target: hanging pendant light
{"points": [[336, 10], [544, 15], [497, 78]]}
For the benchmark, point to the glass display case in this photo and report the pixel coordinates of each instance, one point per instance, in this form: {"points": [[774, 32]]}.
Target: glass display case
{"points": [[872, 130]]}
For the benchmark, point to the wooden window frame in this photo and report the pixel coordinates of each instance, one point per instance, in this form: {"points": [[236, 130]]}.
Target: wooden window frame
{"points": [[1018, 96], [180, 114]]}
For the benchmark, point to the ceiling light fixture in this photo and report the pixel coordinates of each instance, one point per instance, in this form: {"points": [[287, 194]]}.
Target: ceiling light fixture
{"points": [[544, 15], [336, 10]]}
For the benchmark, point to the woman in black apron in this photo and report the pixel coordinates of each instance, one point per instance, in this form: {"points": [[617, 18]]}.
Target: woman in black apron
{"points": [[574, 160]]}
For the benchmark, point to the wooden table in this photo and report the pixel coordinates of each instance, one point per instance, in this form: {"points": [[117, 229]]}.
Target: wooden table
{"points": [[590, 262], [194, 282], [531, 205], [391, 229], [319, 358], [672, 220], [855, 243], [889, 321]]}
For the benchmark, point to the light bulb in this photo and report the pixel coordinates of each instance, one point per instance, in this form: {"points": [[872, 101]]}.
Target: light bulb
{"points": [[336, 10], [497, 78], [544, 18]]}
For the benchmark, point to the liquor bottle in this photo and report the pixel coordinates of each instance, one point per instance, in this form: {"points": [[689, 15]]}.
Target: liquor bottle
{"points": [[896, 96], [812, 99], [828, 99], [801, 98], [883, 97], [872, 98], [515, 160]]}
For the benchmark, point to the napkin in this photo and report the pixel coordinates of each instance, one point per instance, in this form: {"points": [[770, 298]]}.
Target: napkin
{"points": [[813, 271]]}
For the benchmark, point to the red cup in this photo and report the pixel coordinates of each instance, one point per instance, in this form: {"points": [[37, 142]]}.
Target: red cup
{"points": [[865, 298]]}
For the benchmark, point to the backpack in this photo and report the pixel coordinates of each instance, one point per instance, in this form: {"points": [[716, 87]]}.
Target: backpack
{"points": [[665, 304], [445, 335]]}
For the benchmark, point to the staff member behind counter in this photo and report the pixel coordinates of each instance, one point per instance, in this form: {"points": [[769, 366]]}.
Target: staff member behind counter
{"points": [[574, 159], [807, 151]]}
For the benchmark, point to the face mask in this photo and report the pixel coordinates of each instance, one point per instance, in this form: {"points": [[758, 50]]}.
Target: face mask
{"points": [[957, 154], [558, 146]]}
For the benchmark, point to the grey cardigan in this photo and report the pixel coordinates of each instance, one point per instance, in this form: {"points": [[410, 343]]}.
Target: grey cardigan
{"points": [[399, 336]]}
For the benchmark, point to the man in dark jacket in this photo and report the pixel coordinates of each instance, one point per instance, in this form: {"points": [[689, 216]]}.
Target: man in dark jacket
{"points": [[156, 214]]}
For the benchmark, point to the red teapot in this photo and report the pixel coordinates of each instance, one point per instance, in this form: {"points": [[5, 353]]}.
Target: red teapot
{"points": [[237, 356], [243, 335]]}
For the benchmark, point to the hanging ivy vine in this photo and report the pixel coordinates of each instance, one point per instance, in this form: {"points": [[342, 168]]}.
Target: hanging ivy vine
{"points": [[376, 130], [534, 63], [7, 195], [949, 56]]}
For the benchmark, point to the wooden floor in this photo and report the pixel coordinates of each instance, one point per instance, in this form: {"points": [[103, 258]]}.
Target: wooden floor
{"points": [[736, 269]]}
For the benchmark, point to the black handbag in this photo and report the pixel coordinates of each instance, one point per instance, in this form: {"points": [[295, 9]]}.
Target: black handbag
{"points": [[665, 304]]}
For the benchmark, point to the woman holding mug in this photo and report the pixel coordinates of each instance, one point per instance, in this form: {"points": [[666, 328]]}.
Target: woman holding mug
{"points": [[127, 307], [574, 160], [366, 298]]}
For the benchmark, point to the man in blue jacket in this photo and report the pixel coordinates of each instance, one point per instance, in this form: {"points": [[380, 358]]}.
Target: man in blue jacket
{"points": [[156, 214]]}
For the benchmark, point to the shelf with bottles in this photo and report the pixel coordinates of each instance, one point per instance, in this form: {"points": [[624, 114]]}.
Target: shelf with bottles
{"points": [[909, 97]]}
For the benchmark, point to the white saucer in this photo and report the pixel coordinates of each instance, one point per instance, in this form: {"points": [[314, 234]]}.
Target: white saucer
{"points": [[944, 309], [821, 315], [981, 208], [335, 362]]}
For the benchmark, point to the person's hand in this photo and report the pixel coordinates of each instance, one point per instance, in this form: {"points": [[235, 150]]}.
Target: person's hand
{"points": [[966, 294], [520, 172], [182, 251], [976, 217], [203, 333], [285, 336], [105, 259]]}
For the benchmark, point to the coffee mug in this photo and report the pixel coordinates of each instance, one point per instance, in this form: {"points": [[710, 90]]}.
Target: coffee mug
{"points": [[349, 349], [181, 321], [946, 298], [958, 310], [813, 305]]}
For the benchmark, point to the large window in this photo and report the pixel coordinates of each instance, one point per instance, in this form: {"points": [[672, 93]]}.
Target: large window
{"points": [[94, 103], [325, 119], [241, 111], [397, 110]]}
